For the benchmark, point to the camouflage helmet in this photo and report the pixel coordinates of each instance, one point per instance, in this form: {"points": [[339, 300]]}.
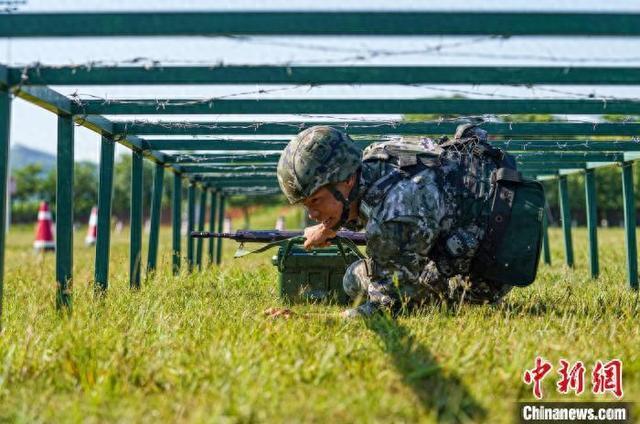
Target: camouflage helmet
{"points": [[315, 157], [470, 131]]}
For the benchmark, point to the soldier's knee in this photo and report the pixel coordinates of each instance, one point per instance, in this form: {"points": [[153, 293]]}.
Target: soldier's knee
{"points": [[356, 280]]}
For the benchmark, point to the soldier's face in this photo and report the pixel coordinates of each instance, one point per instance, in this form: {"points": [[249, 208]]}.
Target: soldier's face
{"points": [[323, 207]]}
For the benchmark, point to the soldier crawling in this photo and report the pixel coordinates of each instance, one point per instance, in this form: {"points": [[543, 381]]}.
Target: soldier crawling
{"points": [[418, 203]]}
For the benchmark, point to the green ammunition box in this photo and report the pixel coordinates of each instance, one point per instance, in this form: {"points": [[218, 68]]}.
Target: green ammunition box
{"points": [[314, 275]]}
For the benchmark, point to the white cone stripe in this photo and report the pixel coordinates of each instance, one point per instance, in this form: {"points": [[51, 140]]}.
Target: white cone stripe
{"points": [[43, 243], [44, 216]]}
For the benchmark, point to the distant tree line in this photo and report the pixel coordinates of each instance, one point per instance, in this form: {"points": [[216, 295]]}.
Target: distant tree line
{"points": [[33, 184]]}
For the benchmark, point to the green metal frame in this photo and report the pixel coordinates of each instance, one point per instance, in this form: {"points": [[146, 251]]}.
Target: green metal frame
{"points": [[319, 75], [356, 106], [543, 150], [191, 212], [566, 219], [64, 212], [522, 146], [221, 206], [176, 222], [592, 221], [154, 229], [630, 224], [201, 220], [105, 195], [135, 220], [5, 125], [343, 23], [546, 250], [258, 128], [212, 224]]}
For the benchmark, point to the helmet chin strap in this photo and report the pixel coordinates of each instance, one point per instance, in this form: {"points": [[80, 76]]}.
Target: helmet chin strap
{"points": [[346, 202]]}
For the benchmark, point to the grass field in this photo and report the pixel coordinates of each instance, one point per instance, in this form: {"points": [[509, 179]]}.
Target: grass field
{"points": [[199, 348]]}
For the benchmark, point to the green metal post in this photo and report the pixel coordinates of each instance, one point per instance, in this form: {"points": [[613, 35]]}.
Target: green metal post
{"points": [[220, 222], [64, 212], [5, 124], [212, 225], [546, 252], [201, 218], [156, 203], [630, 224], [176, 218], [105, 193], [135, 244], [565, 214], [190, 223], [592, 221]]}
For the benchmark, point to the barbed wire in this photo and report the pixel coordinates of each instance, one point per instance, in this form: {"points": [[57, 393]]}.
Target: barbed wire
{"points": [[215, 174], [361, 122], [375, 53], [198, 158], [525, 56], [564, 145], [148, 62], [559, 145], [162, 103], [440, 49], [10, 6]]}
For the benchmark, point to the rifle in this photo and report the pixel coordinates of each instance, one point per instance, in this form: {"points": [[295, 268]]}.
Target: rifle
{"points": [[278, 238], [269, 236]]}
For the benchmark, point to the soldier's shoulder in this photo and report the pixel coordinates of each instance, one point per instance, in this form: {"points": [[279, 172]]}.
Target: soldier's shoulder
{"points": [[418, 196]]}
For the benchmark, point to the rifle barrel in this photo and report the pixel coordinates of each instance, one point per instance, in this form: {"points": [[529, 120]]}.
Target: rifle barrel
{"points": [[269, 236]]}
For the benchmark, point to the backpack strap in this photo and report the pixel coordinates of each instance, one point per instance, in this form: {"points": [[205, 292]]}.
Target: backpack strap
{"points": [[505, 179]]}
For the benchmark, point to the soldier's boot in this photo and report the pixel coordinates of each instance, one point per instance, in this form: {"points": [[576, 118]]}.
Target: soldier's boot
{"points": [[367, 296]]}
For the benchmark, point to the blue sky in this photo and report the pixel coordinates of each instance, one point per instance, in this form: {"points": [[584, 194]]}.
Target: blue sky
{"points": [[36, 128]]}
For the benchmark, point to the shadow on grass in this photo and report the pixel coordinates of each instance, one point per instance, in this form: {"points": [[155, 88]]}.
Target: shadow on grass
{"points": [[445, 395]]}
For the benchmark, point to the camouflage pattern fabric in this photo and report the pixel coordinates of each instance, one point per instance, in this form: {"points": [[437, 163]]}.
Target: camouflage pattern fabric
{"points": [[317, 156], [420, 238]]}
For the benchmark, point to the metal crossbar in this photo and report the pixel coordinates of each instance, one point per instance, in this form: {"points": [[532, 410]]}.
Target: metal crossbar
{"points": [[355, 106], [37, 74], [445, 127], [315, 23]]}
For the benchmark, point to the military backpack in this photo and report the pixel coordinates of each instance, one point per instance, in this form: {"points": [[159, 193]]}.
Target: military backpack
{"points": [[509, 206]]}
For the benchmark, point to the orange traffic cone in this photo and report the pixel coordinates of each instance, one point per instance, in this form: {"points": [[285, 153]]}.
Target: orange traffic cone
{"points": [[44, 229], [92, 232]]}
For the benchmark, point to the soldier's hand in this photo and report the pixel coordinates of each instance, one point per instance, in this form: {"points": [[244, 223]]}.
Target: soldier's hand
{"points": [[317, 236]]}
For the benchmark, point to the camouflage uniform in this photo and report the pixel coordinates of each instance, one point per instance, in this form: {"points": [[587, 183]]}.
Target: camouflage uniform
{"points": [[419, 244], [420, 239]]}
